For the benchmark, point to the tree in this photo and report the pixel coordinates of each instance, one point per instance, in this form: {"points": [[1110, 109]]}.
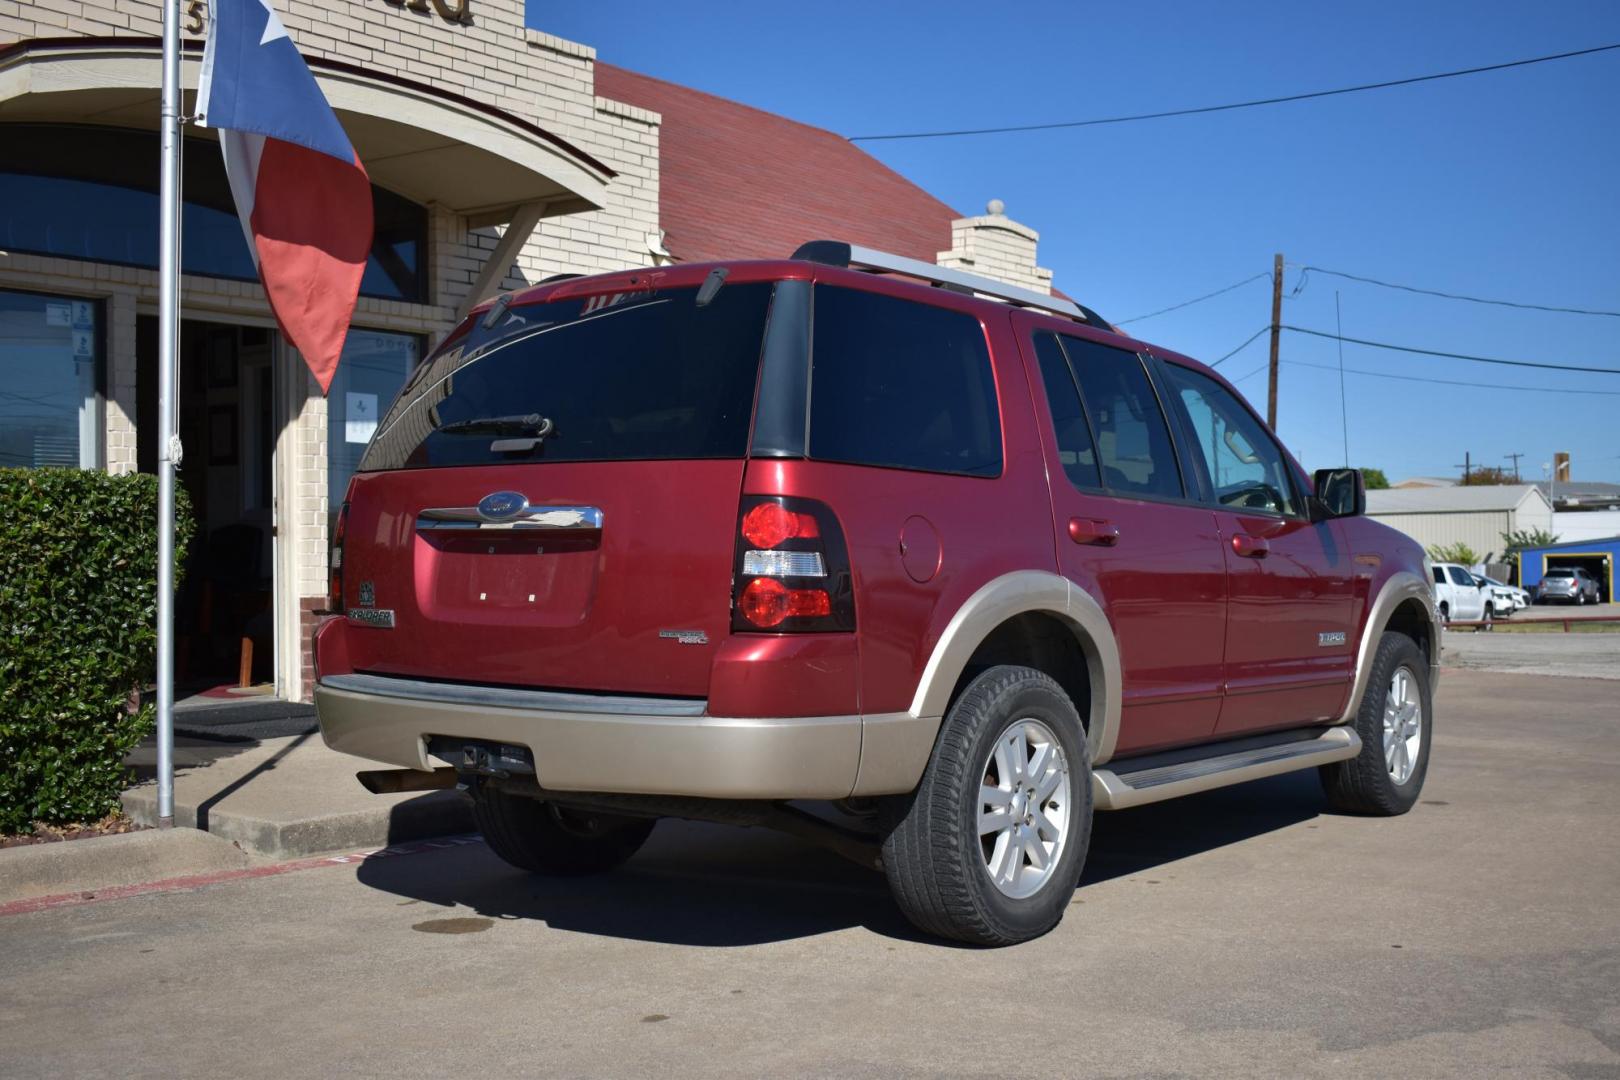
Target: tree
{"points": [[1376, 480], [1487, 474], [1519, 539], [1459, 552]]}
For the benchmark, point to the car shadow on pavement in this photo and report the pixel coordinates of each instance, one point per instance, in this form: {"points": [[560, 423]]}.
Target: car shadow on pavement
{"points": [[718, 886], [1125, 842]]}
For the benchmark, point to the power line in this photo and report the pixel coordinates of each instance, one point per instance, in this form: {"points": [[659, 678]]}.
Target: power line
{"points": [[1455, 382], [1452, 355], [1243, 346], [1194, 300], [1252, 374], [1451, 296], [1236, 104]]}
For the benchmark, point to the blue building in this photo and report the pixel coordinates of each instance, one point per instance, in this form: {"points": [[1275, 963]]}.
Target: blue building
{"points": [[1596, 557]]}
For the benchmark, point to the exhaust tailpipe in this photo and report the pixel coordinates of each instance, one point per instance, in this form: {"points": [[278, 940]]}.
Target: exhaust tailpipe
{"points": [[394, 781]]}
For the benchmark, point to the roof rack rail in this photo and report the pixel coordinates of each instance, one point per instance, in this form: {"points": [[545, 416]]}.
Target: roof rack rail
{"points": [[838, 253]]}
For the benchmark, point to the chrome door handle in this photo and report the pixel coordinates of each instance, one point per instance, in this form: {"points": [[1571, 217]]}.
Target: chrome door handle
{"points": [[1093, 531], [1250, 547], [554, 518]]}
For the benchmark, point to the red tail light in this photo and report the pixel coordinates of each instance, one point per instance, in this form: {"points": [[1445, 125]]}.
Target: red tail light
{"points": [[767, 603], [769, 524], [334, 590], [791, 570]]}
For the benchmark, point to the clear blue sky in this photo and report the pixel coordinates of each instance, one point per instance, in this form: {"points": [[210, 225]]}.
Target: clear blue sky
{"points": [[1498, 185]]}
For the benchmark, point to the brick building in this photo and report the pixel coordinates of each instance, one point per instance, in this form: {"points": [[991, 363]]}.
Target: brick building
{"points": [[499, 155]]}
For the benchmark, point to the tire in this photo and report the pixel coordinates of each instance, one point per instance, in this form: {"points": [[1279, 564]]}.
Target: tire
{"points": [[1365, 784], [545, 839], [1580, 598], [1445, 614], [1488, 615], [939, 866]]}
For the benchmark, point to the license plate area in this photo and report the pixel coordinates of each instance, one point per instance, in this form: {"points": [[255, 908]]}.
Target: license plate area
{"points": [[516, 578]]}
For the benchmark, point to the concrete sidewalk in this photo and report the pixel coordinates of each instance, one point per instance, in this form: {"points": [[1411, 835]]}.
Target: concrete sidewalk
{"points": [[286, 798]]}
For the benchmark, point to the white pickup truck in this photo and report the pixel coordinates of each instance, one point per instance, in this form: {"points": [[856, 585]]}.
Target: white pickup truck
{"points": [[1457, 595]]}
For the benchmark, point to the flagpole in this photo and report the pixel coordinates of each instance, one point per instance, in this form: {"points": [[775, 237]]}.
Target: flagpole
{"points": [[167, 384]]}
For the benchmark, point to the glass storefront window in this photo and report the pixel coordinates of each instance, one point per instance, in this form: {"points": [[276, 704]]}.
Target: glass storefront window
{"points": [[50, 371], [83, 192], [369, 375]]}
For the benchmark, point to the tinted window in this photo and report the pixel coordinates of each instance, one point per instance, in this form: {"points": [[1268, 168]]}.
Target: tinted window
{"points": [[1246, 468], [1133, 440], [50, 350], [86, 192], [1440, 575], [632, 376], [901, 384], [1558, 573], [1461, 577], [1075, 448]]}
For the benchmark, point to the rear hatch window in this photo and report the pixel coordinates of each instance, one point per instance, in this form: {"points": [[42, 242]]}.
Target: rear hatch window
{"points": [[619, 423], [645, 376]]}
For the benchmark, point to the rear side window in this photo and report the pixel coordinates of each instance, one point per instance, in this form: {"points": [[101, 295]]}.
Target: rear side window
{"points": [[901, 384], [1076, 451], [629, 376], [1439, 575], [1133, 438]]}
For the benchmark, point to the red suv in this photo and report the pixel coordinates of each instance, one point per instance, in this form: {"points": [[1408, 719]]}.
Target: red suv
{"points": [[845, 546]]}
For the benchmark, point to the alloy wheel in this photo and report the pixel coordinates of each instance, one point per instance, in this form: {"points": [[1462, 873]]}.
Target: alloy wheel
{"points": [[1403, 725], [1024, 800]]}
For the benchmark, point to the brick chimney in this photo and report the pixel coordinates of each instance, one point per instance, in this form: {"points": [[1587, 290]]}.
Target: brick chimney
{"points": [[997, 246]]}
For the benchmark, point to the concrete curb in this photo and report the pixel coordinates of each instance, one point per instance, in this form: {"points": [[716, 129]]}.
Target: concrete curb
{"points": [[101, 862], [308, 830], [288, 798]]}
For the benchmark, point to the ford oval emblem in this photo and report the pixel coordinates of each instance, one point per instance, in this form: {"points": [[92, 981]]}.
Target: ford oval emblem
{"points": [[502, 505]]}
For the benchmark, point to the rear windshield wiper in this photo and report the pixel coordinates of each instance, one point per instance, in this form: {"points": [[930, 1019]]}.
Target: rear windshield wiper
{"points": [[528, 431], [533, 425]]}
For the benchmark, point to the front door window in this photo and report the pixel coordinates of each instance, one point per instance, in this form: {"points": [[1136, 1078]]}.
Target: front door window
{"points": [[1246, 468]]}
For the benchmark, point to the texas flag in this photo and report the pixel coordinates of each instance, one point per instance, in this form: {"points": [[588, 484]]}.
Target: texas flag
{"points": [[302, 194]]}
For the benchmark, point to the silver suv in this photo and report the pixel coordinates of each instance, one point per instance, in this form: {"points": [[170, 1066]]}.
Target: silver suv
{"points": [[1571, 585]]}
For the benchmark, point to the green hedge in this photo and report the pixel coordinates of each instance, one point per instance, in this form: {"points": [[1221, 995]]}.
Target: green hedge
{"points": [[78, 589]]}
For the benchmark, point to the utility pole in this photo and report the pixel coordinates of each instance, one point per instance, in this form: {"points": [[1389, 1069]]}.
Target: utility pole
{"points": [[1276, 331], [1515, 459], [1467, 467]]}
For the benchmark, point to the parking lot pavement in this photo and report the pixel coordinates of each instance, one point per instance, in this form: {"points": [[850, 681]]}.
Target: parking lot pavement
{"points": [[1582, 656], [1241, 933], [1557, 612]]}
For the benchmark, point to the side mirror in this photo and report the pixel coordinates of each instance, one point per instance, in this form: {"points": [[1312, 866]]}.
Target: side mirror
{"points": [[1339, 493]]}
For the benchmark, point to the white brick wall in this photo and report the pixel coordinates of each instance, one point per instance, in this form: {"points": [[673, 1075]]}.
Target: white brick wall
{"points": [[997, 246]]}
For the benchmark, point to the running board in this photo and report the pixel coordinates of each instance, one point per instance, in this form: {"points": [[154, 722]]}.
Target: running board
{"points": [[1119, 786]]}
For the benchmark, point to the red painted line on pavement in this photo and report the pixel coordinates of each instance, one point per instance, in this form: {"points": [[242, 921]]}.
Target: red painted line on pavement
{"points": [[197, 881]]}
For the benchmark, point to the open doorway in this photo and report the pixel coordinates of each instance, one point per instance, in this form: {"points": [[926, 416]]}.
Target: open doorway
{"points": [[225, 610]]}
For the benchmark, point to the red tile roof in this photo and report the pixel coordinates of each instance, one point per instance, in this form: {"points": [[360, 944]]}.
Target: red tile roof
{"points": [[737, 182]]}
